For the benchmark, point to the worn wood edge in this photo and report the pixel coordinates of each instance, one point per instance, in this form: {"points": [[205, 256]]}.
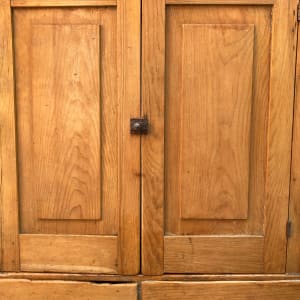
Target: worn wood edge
{"points": [[153, 73], [128, 16], [282, 76], [42, 253], [221, 290], [28, 289], [293, 248], [222, 2], [140, 278], [8, 184], [63, 3]]}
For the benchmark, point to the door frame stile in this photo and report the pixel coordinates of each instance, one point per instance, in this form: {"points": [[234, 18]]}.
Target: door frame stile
{"points": [[293, 258], [128, 55], [8, 159], [153, 91], [283, 56]]}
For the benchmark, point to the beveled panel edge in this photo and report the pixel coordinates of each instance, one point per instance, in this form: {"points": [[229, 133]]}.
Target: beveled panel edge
{"points": [[61, 3]]}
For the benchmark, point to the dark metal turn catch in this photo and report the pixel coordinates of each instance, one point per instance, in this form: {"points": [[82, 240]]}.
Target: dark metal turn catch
{"points": [[139, 126]]}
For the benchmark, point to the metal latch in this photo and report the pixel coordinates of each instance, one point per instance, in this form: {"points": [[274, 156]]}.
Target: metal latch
{"points": [[288, 229], [139, 126]]}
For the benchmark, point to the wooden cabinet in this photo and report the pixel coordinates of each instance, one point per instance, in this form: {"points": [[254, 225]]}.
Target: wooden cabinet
{"points": [[208, 189]]}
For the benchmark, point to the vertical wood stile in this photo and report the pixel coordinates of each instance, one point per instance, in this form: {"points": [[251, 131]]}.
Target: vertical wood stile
{"points": [[293, 253], [129, 98], [8, 184], [280, 133], [153, 73]]}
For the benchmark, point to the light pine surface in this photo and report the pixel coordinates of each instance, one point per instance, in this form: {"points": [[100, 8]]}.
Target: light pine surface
{"points": [[218, 2], [220, 133], [66, 120], [68, 253], [215, 119], [9, 243], [57, 290], [259, 157], [63, 3], [274, 290], [77, 85], [153, 72], [213, 254], [128, 57], [293, 250]]}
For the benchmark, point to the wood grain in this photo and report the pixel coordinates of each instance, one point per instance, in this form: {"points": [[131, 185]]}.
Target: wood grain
{"points": [[67, 253], [129, 13], [268, 184], [9, 256], [153, 93], [254, 224], [141, 278], [63, 3], [66, 121], [293, 250], [273, 290], [217, 66], [96, 109], [219, 2], [280, 133], [116, 63], [226, 15], [213, 254], [56, 290]]}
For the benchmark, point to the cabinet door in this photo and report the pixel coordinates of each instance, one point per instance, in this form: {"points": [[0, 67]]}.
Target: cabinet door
{"points": [[76, 86], [217, 86]]}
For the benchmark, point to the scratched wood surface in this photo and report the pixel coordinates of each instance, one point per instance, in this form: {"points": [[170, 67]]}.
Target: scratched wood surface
{"points": [[56, 290]]}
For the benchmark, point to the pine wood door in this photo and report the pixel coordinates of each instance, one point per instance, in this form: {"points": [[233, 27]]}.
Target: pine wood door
{"points": [[217, 86], [70, 70]]}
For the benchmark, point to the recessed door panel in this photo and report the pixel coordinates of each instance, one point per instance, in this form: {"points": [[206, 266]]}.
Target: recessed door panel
{"points": [[216, 100], [215, 156], [66, 88], [66, 121]]}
